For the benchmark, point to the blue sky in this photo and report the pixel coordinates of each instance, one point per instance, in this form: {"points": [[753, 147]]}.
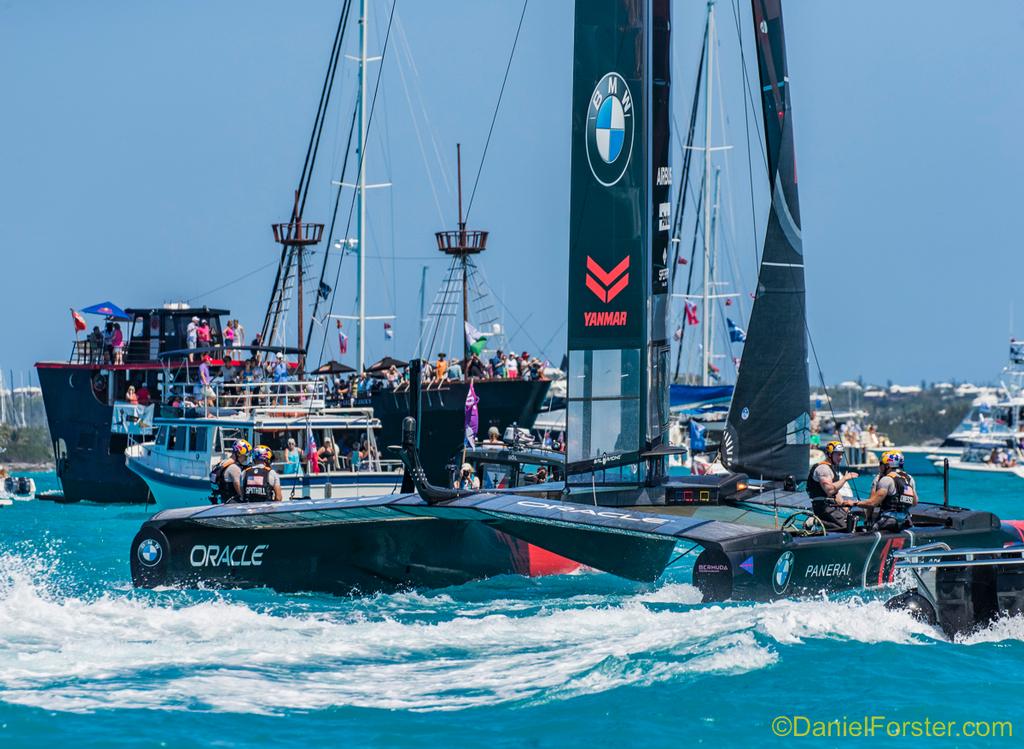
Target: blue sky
{"points": [[146, 147]]}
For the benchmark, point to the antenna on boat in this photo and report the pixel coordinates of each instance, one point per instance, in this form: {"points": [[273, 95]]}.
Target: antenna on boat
{"points": [[296, 236], [460, 245]]}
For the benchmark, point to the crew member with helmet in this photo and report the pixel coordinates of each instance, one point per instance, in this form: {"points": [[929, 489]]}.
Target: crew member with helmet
{"points": [[824, 484], [260, 482], [893, 492], [226, 478]]}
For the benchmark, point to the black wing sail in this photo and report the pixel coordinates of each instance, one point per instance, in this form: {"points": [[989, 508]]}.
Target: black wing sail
{"points": [[767, 432]]}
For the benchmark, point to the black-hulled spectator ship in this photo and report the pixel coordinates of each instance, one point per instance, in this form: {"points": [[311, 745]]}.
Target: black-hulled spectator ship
{"points": [[86, 398]]}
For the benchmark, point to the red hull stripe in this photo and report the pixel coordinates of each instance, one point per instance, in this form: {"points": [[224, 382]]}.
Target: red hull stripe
{"points": [[543, 562]]}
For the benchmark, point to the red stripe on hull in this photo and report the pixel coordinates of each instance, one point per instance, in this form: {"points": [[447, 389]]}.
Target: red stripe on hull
{"points": [[543, 562]]}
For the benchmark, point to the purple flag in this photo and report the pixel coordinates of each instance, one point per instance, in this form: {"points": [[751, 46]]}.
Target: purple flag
{"points": [[472, 416]]}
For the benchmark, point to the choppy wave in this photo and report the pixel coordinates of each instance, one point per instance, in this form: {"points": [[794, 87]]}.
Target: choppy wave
{"points": [[415, 651]]}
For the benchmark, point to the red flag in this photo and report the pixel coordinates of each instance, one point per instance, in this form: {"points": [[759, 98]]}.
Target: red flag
{"points": [[691, 314], [79, 321]]}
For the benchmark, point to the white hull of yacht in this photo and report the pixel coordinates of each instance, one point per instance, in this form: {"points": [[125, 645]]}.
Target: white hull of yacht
{"points": [[175, 490], [955, 464]]}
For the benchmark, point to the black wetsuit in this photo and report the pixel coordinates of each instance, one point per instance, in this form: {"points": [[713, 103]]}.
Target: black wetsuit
{"points": [[834, 517]]}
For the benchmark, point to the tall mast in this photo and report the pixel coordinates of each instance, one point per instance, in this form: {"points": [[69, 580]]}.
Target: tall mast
{"points": [[706, 328], [361, 194], [462, 240], [713, 275]]}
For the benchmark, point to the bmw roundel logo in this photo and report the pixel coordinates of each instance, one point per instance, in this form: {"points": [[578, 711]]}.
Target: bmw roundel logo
{"points": [[783, 572], [150, 552], [745, 413], [610, 129]]}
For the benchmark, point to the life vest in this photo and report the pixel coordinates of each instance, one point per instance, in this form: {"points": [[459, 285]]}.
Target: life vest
{"points": [[814, 489], [256, 485], [221, 490], [904, 498]]}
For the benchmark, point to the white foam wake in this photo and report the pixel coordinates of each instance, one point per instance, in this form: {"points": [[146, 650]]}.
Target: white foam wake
{"points": [[416, 651]]}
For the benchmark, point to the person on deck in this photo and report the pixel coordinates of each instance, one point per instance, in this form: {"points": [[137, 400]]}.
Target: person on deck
{"points": [[192, 336], [455, 370], [824, 483], [95, 345], [131, 396], [893, 492], [498, 364], [493, 437], [117, 344], [229, 335], [292, 458], [328, 456], [227, 476], [475, 367], [441, 369], [206, 381], [260, 482], [467, 478], [512, 367], [203, 334]]}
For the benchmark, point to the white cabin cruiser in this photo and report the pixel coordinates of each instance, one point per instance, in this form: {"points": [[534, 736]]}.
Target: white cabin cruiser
{"points": [[177, 463], [993, 456]]}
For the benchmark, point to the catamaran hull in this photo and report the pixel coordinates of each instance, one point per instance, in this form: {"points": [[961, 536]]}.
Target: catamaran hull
{"points": [[341, 559], [750, 570]]}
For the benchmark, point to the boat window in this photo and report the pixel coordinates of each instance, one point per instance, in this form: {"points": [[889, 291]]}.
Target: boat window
{"points": [[161, 435], [198, 439], [494, 475], [528, 474], [178, 439]]}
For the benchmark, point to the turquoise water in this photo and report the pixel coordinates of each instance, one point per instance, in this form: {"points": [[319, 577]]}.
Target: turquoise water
{"points": [[583, 659]]}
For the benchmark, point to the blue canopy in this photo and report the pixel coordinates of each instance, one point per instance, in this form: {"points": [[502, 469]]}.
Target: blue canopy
{"points": [[107, 309]]}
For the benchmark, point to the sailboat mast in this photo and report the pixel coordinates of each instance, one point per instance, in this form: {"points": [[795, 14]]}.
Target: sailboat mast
{"points": [[714, 268], [706, 328], [463, 257], [361, 195]]}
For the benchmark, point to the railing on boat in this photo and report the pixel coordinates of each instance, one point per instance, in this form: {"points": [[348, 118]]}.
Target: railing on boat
{"points": [[294, 396]]}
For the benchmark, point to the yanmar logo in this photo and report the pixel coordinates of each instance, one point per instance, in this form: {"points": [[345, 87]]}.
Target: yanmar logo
{"points": [[606, 285]]}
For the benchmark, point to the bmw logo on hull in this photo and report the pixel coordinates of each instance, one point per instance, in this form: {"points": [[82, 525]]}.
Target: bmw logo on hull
{"points": [[150, 552], [783, 572], [610, 129]]}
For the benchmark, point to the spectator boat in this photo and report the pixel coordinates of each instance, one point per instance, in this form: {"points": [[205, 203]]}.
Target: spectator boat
{"points": [[989, 456], [176, 464]]}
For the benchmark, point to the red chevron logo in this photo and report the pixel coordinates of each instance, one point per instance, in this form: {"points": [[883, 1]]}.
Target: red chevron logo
{"points": [[606, 285]]}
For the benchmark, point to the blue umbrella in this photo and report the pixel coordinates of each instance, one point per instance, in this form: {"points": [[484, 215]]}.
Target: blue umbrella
{"points": [[107, 309]]}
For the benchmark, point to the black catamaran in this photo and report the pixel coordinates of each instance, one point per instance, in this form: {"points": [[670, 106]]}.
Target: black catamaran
{"points": [[617, 511]]}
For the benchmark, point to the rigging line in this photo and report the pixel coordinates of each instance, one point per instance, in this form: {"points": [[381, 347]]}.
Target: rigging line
{"points": [[444, 292], [231, 283], [497, 107], [442, 167], [334, 218], [284, 263], [505, 307], [359, 165], [416, 130]]}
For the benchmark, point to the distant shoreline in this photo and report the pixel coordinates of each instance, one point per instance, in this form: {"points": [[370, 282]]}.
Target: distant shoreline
{"points": [[29, 467]]}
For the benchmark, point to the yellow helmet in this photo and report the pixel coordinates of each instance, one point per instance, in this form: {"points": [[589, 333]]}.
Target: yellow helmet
{"points": [[892, 459], [833, 447]]}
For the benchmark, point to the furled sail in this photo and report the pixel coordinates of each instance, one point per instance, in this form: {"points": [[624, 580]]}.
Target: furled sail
{"points": [[767, 432]]}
